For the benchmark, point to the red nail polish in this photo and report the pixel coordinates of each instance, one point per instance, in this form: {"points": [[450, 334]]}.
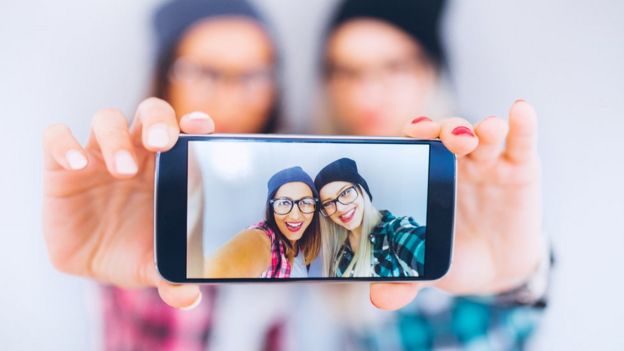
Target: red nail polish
{"points": [[462, 131], [420, 119]]}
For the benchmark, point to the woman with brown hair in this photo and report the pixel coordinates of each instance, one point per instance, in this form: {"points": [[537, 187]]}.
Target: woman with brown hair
{"points": [[282, 245]]}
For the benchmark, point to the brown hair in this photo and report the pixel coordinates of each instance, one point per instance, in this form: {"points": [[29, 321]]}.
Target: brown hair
{"points": [[310, 241]]}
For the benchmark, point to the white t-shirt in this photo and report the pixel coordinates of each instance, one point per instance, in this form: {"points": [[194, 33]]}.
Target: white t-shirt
{"points": [[298, 269]]}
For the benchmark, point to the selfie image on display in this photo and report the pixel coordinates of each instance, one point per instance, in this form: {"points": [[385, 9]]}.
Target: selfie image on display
{"points": [[263, 209]]}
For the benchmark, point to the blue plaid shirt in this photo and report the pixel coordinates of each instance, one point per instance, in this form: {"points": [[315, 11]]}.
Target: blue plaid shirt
{"points": [[398, 245], [438, 321]]}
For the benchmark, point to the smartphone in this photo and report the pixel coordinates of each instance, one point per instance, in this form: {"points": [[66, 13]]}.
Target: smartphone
{"points": [[277, 208]]}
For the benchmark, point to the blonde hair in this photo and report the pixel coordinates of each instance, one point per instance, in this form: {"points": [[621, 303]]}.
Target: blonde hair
{"points": [[333, 236]]}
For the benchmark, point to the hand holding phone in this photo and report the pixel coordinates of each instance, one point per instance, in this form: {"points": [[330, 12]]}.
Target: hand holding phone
{"points": [[98, 199], [499, 243]]}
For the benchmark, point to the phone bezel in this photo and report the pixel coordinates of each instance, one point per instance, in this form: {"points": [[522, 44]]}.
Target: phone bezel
{"points": [[170, 202]]}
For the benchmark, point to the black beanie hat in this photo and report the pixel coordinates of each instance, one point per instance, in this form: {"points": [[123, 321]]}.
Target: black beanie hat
{"points": [[289, 175], [420, 19], [173, 18], [345, 170]]}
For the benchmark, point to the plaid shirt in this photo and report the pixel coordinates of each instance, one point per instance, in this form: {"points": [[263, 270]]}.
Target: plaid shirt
{"points": [[280, 266], [137, 319], [398, 245], [437, 321]]}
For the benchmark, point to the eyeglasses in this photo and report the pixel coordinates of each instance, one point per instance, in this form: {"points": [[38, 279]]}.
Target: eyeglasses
{"points": [[392, 74], [346, 197], [203, 76], [284, 205]]}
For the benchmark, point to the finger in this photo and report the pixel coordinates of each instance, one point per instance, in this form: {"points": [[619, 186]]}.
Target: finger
{"points": [[392, 296], [422, 128], [197, 123], [62, 150], [179, 296], [522, 138], [458, 136], [491, 133], [155, 125], [110, 134]]}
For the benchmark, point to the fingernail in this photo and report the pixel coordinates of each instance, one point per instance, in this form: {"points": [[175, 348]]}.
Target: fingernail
{"points": [[158, 136], [197, 115], [194, 304], [420, 119], [462, 131], [519, 100], [76, 159], [124, 163]]}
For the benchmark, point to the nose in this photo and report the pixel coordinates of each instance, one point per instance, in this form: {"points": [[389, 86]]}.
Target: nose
{"points": [[340, 207], [367, 98], [295, 213]]}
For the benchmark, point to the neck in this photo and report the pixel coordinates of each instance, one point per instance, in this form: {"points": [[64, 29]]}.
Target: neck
{"points": [[293, 245], [354, 238]]}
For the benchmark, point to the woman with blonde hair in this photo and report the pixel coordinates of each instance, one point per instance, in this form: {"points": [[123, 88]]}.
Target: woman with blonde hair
{"points": [[357, 239]]}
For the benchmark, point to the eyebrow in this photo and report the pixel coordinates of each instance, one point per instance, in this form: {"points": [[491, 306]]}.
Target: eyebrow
{"points": [[340, 191], [291, 199]]}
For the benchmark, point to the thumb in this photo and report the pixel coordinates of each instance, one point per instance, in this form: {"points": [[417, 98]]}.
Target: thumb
{"points": [[197, 123], [183, 296], [392, 296]]}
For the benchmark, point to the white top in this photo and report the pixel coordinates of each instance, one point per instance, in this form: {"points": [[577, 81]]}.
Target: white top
{"points": [[298, 269]]}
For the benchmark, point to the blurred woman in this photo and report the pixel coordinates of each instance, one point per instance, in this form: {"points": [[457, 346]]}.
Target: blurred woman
{"points": [[383, 64], [214, 58], [282, 245]]}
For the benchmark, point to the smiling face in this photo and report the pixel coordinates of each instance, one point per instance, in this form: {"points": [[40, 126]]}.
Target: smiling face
{"points": [[347, 216], [294, 223]]}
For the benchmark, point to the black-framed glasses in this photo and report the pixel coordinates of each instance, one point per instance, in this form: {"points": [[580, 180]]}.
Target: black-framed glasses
{"points": [[195, 74], [283, 205], [345, 197]]}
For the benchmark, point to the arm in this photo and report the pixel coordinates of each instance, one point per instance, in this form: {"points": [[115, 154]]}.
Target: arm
{"points": [[247, 255]]}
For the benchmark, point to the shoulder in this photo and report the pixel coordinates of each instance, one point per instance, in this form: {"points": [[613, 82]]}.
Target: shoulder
{"points": [[255, 235], [394, 224], [398, 226]]}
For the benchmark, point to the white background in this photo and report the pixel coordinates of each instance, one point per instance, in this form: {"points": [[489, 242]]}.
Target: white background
{"points": [[60, 62]]}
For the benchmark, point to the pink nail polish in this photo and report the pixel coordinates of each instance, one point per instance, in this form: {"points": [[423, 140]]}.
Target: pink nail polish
{"points": [[462, 131], [421, 119]]}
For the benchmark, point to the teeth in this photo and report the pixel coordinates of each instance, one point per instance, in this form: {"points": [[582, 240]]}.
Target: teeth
{"points": [[294, 226], [348, 214]]}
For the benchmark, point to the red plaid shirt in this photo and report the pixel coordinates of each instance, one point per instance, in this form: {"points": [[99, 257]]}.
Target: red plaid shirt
{"points": [[140, 320], [280, 266]]}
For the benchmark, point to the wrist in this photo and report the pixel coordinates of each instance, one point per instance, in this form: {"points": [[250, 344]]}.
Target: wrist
{"points": [[534, 290]]}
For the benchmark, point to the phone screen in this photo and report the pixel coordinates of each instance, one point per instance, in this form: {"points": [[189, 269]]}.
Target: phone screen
{"points": [[263, 208]]}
